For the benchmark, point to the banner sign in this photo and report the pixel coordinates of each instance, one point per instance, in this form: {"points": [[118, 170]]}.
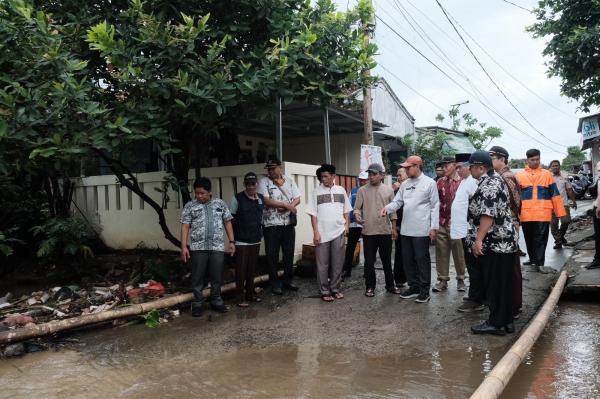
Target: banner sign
{"points": [[369, 154]]}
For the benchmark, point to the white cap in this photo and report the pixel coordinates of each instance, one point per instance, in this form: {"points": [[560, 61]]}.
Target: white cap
{"points": [[363, 175]]}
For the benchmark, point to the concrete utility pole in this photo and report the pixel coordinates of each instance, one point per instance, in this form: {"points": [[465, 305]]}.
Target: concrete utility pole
{"points": [[368, 31]]}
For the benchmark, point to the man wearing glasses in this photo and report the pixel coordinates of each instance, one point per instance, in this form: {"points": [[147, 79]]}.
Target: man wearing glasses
{"points": [[418, 197]]}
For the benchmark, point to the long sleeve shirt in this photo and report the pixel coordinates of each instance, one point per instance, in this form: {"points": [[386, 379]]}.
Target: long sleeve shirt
{"points": [[419, 199], [539, 196], [369, 202], [460, 206]]}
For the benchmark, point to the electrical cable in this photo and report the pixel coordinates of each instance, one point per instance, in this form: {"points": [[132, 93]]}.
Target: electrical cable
{"points": [[492, 80]]}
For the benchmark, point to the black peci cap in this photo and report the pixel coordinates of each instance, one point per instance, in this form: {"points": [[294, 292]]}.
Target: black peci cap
{"points": [[481, 157]]}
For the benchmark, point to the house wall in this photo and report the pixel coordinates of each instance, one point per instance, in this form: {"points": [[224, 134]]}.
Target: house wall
{"points": [[125, 222], [345, 151]]}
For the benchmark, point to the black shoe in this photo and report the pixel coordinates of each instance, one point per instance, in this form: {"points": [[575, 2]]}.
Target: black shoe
{"points": [[517, 315], [528, 263], [409, 293], [277, 291], [521, 253], [290, 287], [487, 328], [509, 328], [557, 246], [423, 298], [221, 308], [594, 265], [197, 311]]}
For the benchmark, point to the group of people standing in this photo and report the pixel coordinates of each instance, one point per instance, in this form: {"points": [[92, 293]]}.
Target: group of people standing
{"points": [[473, 213]]}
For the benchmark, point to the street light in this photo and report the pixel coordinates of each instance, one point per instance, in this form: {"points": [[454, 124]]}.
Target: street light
{"points": [[454, 113]]}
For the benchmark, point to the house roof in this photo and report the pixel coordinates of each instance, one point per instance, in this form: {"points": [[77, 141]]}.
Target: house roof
{"points": [[389, 89], [445, 130], [299, 119]]}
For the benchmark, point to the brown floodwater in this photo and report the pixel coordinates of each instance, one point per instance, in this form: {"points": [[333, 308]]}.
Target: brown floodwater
{"points": [[565, 363]]}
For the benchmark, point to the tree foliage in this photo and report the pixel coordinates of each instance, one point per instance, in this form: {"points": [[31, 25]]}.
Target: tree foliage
{"points": [[479, 133], [573, 47], [93, 78], [575, 157]]}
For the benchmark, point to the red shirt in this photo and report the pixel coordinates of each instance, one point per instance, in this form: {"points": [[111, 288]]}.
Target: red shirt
{"points": [[446, 191]]}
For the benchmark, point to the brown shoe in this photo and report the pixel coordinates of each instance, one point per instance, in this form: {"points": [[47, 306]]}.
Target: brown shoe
{"points": [[440, 286]]}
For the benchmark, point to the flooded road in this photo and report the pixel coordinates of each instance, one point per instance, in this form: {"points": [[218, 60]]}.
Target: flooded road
{"points": [[297, 346]]}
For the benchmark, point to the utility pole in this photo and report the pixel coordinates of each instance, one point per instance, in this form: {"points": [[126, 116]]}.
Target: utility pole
{"points": [[368, 31]]}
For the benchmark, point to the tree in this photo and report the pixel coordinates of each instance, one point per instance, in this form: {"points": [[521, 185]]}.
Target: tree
{"points": [[575, 157], [479, 133], [172, 72], [518, 163], [573, 48]]}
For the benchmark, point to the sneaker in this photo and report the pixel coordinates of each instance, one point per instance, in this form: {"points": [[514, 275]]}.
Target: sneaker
{"points": [[197, 311], [440, 286], [528, 263], [410, 293], [594, 265], [423, 298], [461, 286], [517, 315], [470, 306]]}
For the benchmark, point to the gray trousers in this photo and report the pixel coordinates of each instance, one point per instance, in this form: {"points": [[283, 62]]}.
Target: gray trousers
{"points": [[330, 262], [207, 266]]}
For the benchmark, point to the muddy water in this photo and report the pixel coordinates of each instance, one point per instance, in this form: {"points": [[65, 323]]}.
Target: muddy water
{"points": [[137, 363]]}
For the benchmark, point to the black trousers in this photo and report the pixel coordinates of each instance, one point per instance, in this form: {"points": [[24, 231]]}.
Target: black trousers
{"points": [[381, 243], [498, 272], [399, 273], [517, 284], [536, 238], [353, 237], [207, 265], [417, 262], [476, 282], [596, 235], [276, 238], [246, 257]]}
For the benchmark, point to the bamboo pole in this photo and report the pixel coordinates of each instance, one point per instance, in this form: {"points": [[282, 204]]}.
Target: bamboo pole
{"points": [[55, 326], [496, 381]]}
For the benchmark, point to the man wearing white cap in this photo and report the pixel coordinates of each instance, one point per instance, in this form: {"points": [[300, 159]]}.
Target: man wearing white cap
{"points": [[355, 227]]}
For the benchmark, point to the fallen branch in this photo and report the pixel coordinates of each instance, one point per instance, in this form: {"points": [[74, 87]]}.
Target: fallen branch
{"points": [[52, 327]]}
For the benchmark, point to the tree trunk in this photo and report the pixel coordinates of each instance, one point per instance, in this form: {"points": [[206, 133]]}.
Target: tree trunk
{"points": [[127, 179], [52, 327]]}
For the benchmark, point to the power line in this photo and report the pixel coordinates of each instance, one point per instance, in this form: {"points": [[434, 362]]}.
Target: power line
{"points": [[508, 72], [459, 85], [518, 6], [492, 80], [410, 87]]}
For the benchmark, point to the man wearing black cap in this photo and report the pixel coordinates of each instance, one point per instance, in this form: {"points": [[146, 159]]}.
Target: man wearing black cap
{"points": [[279, 220], [500, 161], [491, 238], [247, 208], [539, 197]]}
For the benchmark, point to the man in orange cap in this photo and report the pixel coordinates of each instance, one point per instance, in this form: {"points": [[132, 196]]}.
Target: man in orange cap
{"points": [[418, 198]]}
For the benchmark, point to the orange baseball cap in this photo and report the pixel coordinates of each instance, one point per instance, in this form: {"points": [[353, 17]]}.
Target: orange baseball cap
{"points": [[412, 160]]}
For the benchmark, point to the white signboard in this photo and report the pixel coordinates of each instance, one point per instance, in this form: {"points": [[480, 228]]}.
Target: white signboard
{"points": [[369, 154], [589, 128]]}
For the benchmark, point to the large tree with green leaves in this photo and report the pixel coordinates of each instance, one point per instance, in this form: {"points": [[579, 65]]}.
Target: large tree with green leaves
{"points": [[178, 73], [572, 28], [479, 133], [575, 157]]}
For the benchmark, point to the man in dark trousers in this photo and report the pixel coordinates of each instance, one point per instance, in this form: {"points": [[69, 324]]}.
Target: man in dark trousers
{"points": [[491, 238], [355, 227], [247, 208], [203, 220]]}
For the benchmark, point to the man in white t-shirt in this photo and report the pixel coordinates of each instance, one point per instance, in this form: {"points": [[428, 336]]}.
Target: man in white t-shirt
{"points": [[329, 209]]}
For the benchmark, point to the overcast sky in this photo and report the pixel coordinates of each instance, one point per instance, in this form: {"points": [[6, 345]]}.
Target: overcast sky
{"points": [[499, 28]]}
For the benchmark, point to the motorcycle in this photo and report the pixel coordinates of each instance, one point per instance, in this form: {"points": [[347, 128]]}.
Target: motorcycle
{"points": [[581, 184]]}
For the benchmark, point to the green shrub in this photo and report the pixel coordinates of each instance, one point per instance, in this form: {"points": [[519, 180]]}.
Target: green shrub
{"points": [[71, 236]]}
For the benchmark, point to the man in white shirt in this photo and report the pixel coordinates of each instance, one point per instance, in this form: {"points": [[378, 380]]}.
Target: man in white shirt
{"points": [[328, 208], [418, 196], [279, 220], [458, 230]]}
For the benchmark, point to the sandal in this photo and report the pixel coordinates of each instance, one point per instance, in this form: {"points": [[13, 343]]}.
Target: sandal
{"points": [[370, 292], [327, 298], [395, 291], [243, 304], [254, 299], [338, 295]]}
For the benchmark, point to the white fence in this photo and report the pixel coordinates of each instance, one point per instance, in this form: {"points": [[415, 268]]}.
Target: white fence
{"points": [[126, 222]]}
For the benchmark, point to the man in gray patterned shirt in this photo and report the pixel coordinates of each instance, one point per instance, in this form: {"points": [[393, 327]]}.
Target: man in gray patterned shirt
{"points": [[202, 222]]}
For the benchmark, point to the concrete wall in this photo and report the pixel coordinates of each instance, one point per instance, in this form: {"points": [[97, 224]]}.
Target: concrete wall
{"points": [[345, 151], [126, 222]]}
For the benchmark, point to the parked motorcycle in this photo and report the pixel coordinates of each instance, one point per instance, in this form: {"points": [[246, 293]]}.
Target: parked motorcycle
{"points": [[581, 184]]}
